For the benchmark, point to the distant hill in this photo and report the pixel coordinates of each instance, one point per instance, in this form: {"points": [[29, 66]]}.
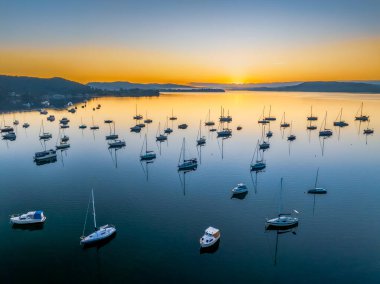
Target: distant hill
{"points": [[120, 85], [337, 87], [39, 86]]}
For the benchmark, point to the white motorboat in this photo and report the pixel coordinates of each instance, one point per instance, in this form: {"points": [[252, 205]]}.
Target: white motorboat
{"points": [[283, 220], [101, 233], [146, 154], [186, 164], [117, 144], [210, 237], [361, 116], [16, 122], [317, 190], [32, 217], [240, 188], [46, 155]]}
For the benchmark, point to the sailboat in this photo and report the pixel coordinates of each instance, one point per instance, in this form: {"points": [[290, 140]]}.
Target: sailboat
{"points": [[368, 130], [147, 120], [317, 190], [160, 137], [137, 116], [209, 122], [311, 126], [311, 117], [147, 154], [257, 164], [94, 127], [15, 121], [112, 136], [173, 117], [101, 233], [6, 128], [223, 118], [340, 122], [269, 133], [269, 117], [82, 126], [283, 220], [44, 135], [284, 124], [360, 116], [291, 136], [264, 145], [262, 119], [186, 164], [167, 130], [325, 132], [201, 140]]}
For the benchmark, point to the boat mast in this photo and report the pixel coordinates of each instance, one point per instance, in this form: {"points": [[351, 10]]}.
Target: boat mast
{"points": [[316, 179], [146, 144], [93, 208], [280, 203]]}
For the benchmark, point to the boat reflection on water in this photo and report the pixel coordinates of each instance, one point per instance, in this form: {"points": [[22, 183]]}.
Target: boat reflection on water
{"points": [[290, 231], [182, 178], [113, 152], [28, 227], [211, 249], [145, 167], [240, 196]]}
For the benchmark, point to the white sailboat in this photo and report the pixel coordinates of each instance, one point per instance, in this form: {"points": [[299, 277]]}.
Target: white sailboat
{"points": [[368, 130], [147, 154], [167, 130], [317, 190], [291, 136], [102, 233], [112, 135], [159, 136], [186, 164], [44, 135], [283, 220]]}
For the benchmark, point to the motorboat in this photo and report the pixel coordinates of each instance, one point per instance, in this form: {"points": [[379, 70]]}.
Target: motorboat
{"points": [[360, 116], [186, 164], [239, 127], [210, 237], [182, 126], [65, 138], [102, 233], [32, 217], [108, 121], [239, 189], [146, 154], [26, 125], [317, 190], [43, 111], [64, 120], [312, 117], [368, 131], [9, 136], [50, 118], [117, 143], [46, 155], [135, 128]]}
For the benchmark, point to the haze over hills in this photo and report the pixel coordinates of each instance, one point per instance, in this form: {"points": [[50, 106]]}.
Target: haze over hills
{"points": [[124, 85]]}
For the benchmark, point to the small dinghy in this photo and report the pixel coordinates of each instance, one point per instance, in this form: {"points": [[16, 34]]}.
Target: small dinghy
{"points": [[240, 189], [210, 237], [102, 233], [32, 217]]}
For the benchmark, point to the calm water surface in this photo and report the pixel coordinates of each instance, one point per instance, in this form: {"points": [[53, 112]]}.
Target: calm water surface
{"points": [[160, 214]]}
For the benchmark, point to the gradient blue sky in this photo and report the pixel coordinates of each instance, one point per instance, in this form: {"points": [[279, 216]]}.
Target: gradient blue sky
{"points": [[188, 29]]}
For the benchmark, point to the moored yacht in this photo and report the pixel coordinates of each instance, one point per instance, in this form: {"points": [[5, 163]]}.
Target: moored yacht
{"points": [[147, 154], [360, 116], [210, 237], [312, 117], [46, 155], [317, 190], [257, 162], [117, 144], [186, 164], [32, 217], [239, 189], [51, 118], [324, 131], [9, 136]]}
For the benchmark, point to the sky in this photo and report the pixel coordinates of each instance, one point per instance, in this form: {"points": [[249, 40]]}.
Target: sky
{"points": [[185, 41]]}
